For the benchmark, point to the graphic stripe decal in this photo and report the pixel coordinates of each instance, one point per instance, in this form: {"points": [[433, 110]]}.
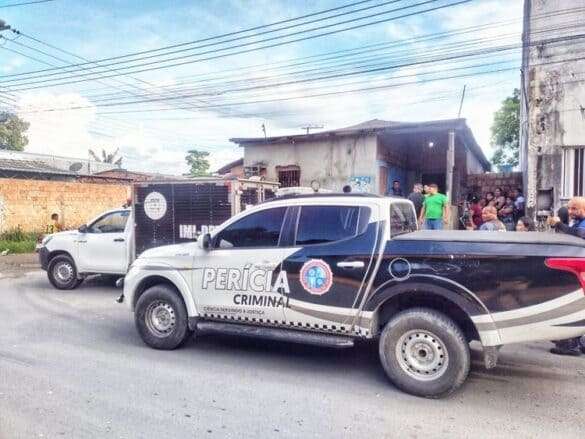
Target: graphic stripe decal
{"points": [[332, 314], [528, 311], [544, 312], [580, 323]]}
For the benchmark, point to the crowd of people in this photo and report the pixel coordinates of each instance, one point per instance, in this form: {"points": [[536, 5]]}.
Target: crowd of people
{"points": [[499, 211]]}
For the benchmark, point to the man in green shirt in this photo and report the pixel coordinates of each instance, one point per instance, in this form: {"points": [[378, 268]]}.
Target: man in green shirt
{"points": [[435, 210]]}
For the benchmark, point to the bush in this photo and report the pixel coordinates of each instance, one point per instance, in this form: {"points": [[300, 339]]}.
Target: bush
{"points": [[18, 246], [17, 241], [18, 235]]}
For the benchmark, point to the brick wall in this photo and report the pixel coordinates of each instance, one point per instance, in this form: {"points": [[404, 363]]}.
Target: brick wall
{"points": [[480, 184], [28, 204]]}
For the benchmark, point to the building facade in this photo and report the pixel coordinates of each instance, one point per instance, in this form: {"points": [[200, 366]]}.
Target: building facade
{"points": [[552, 132], [368, 156]]}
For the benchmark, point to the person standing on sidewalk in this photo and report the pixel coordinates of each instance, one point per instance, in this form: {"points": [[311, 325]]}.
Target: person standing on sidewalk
{"points": [[435, 210], [417, 198], [396, 190], [576, 210]]}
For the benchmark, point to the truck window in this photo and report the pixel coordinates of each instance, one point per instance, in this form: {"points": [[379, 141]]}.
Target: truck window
{"points": [[114, 222], [321, 224], [402, 219], [260, 229]]}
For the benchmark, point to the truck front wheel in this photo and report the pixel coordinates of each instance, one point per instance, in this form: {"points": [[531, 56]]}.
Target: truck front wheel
{"points": [[424, 353], [161, 318], [62, 273]]}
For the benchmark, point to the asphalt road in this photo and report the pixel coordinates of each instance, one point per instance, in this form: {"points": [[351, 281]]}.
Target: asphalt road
{"points": [[72, 365]]}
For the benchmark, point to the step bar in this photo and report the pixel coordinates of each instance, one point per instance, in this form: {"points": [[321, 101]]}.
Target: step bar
{"points": [[278, 334]]}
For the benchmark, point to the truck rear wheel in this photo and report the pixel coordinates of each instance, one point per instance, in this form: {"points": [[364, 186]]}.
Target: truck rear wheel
{"points": [[161, 318], [62, 273], [424, 353]]}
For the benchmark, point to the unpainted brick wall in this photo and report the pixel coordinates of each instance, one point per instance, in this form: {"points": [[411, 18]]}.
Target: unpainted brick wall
{"points": [[481, 184], [28, 204]]}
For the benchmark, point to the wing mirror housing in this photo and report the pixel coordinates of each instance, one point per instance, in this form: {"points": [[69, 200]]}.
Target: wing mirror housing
{"points": [[82, 228], [206, 241]]}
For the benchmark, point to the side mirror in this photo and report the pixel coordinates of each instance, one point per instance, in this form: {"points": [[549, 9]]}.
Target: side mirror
{"points": [[82, 228], [206, 241]]}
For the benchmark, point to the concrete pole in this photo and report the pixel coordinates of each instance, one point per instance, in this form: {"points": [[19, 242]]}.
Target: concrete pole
{"points": [[450, 166]]}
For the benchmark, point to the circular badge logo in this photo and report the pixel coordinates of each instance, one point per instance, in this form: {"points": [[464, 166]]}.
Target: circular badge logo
{"points": [[316, 277], [155, 205]]}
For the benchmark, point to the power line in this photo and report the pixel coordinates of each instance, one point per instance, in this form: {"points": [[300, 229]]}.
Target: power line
{"points": [[453, 57], [165, 66], [350, 66], [340, 53], [158, 67], [74, 55], [34, 2], [468, 75], [217, 36]]}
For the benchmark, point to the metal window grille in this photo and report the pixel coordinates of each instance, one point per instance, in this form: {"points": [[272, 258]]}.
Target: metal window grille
{"points": [[289, 178], [573, 172]]}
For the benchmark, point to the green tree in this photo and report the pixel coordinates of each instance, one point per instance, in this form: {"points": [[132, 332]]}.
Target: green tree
{"points": [[198, 163], [506, 131], [12, 129]]}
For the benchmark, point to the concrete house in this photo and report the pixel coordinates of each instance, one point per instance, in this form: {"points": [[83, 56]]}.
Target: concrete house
{"points": [[369, 156], [552, 134]]}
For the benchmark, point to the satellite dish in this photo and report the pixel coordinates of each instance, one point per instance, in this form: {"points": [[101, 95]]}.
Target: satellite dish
{"points": [[75, 167]]}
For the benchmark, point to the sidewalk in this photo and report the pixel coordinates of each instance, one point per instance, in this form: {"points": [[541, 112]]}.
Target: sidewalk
{"points": [[15, 265]]}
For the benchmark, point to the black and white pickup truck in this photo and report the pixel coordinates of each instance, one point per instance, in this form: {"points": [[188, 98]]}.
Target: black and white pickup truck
{"points": [[333, 269]]}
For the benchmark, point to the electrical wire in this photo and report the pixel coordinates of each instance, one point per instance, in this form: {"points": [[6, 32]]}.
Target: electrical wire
{"points": [[83, 77], [32, 2]]}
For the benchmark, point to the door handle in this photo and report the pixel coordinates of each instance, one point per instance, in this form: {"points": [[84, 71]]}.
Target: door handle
{"points": [[119, 240], [268, 266], [79, 240], [351, 264]]}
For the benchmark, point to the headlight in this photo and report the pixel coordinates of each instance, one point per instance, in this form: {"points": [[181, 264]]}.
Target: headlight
{"points": [[46, 239]]}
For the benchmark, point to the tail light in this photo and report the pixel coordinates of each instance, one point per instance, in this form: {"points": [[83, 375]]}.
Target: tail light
{"points": [[574, 265]]}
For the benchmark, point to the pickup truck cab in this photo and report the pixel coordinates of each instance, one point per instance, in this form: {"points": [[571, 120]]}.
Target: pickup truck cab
{"points": [[103, 246], [336, 268]]}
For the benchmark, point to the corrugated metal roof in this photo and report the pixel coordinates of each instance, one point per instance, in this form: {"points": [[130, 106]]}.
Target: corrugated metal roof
{"points": [[229, 166], [378, 126], [30, 166]]}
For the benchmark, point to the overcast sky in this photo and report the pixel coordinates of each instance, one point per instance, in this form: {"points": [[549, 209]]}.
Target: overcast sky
{"points": [[155, 136]]}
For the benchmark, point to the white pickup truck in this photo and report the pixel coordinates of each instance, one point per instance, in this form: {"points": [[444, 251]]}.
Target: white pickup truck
{"points": [[332, 269], [103, 246]]}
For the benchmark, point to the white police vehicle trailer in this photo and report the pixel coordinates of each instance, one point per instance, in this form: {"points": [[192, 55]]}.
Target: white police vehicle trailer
{"points": [[163, 213], [173, 212]]}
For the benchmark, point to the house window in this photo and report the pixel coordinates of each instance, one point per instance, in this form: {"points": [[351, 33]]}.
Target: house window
{"points": [[573, 172], [289, 176]]}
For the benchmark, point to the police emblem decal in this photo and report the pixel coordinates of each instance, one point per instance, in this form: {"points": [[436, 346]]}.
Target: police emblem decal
{"points": [[316, 277]]}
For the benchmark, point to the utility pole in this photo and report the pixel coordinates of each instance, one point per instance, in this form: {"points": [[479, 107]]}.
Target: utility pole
{"points": [[450, 166], [311, 127], [461, 103]]}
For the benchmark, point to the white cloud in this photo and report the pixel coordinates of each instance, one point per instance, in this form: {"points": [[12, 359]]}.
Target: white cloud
{"points": [[10, 65]]}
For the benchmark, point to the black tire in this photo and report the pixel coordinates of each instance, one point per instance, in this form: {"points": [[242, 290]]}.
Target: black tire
{"points": [[170, 328], [62, 273], [424, 353]]}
